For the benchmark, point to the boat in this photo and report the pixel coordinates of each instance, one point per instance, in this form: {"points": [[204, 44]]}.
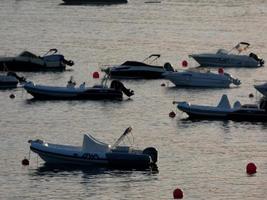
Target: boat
{"points": [[262, 88], [138, 70], [95, 153], [239, 112], [29, 62], [224, 58], [94, 2], [10, 80], [71, 92], [199, 77]]}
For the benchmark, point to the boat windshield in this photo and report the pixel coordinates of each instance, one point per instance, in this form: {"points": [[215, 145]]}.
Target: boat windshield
{"points": [[28, 54]]}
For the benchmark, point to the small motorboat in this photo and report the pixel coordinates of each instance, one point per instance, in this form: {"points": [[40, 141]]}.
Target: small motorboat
{"points": [[199, 77], [95, 152], [10, 80], [224, 58], [246, 112], [94, 2], [262, 88], [138, 70], [70, 92], [29, 62]]}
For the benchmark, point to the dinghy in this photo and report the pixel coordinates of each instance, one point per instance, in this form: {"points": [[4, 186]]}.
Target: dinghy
{"points": [[95, 152]]}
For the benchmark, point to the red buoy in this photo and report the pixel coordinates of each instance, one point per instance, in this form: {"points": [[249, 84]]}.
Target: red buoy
{"points": [[95, 75], [184, 63], [178, 193], [163, 84], [172, 114], [251, 168], [25, 161], [220, 71]]}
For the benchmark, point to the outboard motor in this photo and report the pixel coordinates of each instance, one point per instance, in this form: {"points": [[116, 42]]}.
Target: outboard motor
{"points": [[67, 62], [152, 152], [21, 79], [117, 85], [167, 66], [255, 57]]}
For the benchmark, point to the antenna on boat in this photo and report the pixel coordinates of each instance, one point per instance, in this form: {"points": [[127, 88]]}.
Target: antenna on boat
{"points": [[126, 132]]}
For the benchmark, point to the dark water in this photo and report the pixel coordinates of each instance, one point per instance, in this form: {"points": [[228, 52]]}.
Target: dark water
{"points": [[206, 159]]}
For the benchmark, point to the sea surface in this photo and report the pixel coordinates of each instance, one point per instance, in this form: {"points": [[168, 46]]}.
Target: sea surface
{"points": [[206, 159]]}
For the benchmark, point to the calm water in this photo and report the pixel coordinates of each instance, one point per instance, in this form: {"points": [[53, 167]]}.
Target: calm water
{"points": [[206, 159]]}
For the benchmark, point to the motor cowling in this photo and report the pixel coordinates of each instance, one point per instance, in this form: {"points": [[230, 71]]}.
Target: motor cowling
{"points": [[257, 58], [152, 152], [117, 85]]}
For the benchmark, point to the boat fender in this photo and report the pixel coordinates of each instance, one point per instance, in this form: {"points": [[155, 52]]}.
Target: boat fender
{"points": [[152, 152]]}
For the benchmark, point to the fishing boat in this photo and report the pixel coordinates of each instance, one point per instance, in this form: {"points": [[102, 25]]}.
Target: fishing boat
{"points": [[29, 62], [199, 77], [246, 112], [95, 152], [138, 70], [71, 92], [10, 80], [224, 58]]}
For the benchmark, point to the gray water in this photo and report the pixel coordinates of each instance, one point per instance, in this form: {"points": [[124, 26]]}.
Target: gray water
{"points": [[206, 159]]}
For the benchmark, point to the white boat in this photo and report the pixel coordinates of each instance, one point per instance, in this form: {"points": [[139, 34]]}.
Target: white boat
{"points": [[10, 80], [29, 62], [224, 58], [94, 152], [224, 110], [262, 88], [197, 77], [138, 70]]}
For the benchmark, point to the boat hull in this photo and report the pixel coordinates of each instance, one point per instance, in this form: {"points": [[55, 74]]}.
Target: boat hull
{"points": [[221, 60], [94, 1], [60, 93], [28, 66]]}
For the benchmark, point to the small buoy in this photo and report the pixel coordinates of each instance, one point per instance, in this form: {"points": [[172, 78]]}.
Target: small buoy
{"points": [[95, 75], [172, 114], [251, 168], [11, 96], [220, 71], [251, 95], [163, 85], [25, 161], [178, 193], [184, 63]]}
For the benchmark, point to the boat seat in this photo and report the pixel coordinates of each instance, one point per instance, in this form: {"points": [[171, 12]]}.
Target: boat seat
{"points": [[224, 102], [237, 104], [90, 144]]}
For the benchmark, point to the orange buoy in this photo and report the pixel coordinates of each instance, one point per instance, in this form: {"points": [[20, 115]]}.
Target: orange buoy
{"points": [[163, 85], [220, 71], [178, 193], [11, 96], [25, 161], [251, 95], [95, 75], [184, 63], [251, 168], [172, 114]]}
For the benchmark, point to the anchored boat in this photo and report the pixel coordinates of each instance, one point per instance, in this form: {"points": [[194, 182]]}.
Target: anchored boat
{"points": [[95, 152], [224, 58], [29, 62]]}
